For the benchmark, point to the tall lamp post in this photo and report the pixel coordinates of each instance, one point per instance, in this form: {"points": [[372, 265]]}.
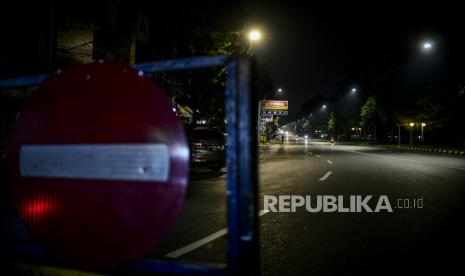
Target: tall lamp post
{"points": [[398, 137], [422, 135], [411, 133], [253, 36]]}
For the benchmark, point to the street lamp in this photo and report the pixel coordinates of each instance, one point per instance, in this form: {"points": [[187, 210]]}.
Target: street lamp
{"points": [[279, 93], [254, 35], [353, 90], [411, 133], [427, 46], [324, 106], [422, 137]]}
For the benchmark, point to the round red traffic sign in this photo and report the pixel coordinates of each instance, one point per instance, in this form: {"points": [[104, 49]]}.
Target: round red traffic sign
{"points": [[97, 165]]}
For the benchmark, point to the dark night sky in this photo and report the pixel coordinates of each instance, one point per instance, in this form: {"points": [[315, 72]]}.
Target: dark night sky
{"points": [[308, 48], [311, 47]]}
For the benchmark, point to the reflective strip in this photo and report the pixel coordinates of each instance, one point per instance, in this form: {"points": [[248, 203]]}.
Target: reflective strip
{"points": [[139, 162]]}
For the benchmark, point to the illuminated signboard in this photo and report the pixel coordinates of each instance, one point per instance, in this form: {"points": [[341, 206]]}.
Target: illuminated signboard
{"points": [[274, 105]]}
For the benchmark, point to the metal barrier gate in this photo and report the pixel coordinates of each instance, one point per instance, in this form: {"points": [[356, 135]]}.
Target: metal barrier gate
{"points": [[241, 162]]}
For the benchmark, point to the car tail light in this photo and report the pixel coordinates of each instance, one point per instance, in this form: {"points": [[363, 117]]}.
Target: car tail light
{"points": [[197, 145]]}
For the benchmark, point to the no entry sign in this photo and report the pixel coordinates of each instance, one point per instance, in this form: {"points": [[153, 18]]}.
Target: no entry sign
{"points": [[97, 165]]}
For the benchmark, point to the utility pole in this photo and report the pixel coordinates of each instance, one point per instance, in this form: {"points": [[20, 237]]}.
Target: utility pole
{"points": [[422, 135], [411, 133], [398, 137], [259, 121]]}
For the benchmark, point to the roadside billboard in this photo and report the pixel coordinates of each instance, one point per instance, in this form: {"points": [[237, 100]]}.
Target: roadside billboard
{"points": [[274, 105]]}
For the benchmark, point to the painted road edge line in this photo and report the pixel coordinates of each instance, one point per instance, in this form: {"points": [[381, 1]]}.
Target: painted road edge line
{"points": [[329, 161], [317, 155], [326, 176], [192, 246]]}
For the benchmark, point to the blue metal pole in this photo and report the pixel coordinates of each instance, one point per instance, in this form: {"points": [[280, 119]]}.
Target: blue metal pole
{"points": [[182, 64], [243, 250], [150, 67], [23, 81], [232, 161]]}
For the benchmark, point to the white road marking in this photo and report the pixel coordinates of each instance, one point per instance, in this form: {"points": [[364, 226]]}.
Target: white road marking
{"points": [[188, 248], [317, 155], [262, 212], [329, 161], [192, 246], [326, 176]]}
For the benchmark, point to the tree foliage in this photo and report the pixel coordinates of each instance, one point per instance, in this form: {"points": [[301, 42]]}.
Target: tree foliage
{"points": [[331, 123]]}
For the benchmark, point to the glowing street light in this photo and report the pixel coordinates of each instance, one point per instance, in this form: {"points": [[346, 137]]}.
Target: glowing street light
{"points": [[280, 90], [324, 106], [427, 46], [353, 90], [255, 35]]}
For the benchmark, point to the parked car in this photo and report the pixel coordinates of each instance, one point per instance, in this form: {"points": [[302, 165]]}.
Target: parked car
{"points": [[207, 147]]}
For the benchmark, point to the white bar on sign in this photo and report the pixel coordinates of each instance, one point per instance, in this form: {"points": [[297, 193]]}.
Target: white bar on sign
{"points": [[138, 162]]}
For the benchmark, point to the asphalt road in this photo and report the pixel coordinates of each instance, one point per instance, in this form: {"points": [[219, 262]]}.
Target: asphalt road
{"points": [[406, 240]]}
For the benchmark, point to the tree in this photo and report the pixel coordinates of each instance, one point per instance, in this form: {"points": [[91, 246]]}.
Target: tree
{"points": [[331, 123], [305, 125], [368, 113]]}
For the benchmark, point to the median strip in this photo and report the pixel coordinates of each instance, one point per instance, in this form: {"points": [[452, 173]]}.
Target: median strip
{"points": [[192, 246]]}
